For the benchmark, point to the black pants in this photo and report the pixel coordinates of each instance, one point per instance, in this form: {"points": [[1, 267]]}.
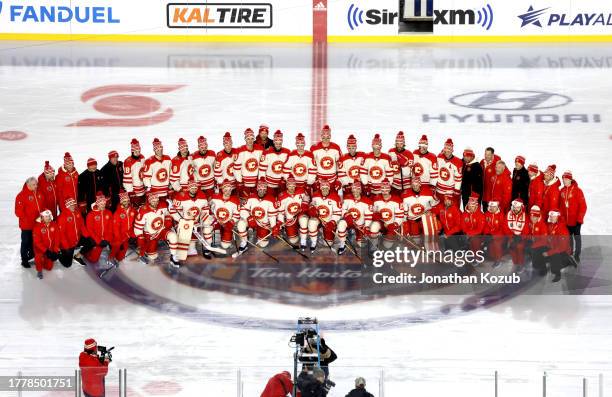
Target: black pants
{"points": [[538, 261], [558, 262], [66, 255], [27, 246], [576, 239]]}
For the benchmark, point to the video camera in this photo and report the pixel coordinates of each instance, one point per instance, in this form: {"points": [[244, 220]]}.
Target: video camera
{"points": [[104, 353], [307, 341]]}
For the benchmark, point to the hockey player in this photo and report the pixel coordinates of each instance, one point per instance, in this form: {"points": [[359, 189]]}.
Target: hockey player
{"points": [[204, 163], [573, 209], [224, 161], [500, 186], [292, 203], [387, 216], [73, 234], [488, 164], [326, 156], [90, 183], [325, 210], [300, 164], [133, 173], [520, 180], [425, 164], [182, 167], [123, 228], [376, 168], [48, 189], [99, 224], [272, 163], [225, 209], [551, 194], [416, 202], [156, 171], [192, 206], [473, 222], [516, 223], [495, 227], [46, 242], [246, 166], [350, 165], [536, 186], [402, 161], [154, 223], [356, 215], [67, 180], [259, 214], [450, 176]]}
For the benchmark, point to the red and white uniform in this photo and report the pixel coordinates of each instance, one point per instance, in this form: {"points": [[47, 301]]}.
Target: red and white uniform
{"points": [[426, 167], [225, 213], [151, 225], [290, 207], [180, 172], [133, 172], [326, 161], [156, 174], [224, 166], [272, 166], [356, 214], [517, 225], [301, 167], [403, 160], [449, 177], [323, 211], [259, 214], [388, 215], [246, 166], [190, 208], [204, 169], [350, 168], [375, 170], [415, 205]]}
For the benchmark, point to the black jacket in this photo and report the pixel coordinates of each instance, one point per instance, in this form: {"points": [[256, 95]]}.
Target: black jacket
{"points": [[359, 393], [89, 184], [112, 178], [520, 184], [309, 386], [472, 179]]}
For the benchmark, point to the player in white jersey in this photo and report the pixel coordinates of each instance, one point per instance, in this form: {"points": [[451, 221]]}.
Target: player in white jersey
{"points": [[132, 174], [376, 168], [300, 164], [350, 165], [156, 171], [225, 210], [324, 211], [356, 215], [292, 203], [417, 201], [153, 223], [259, 214], [246, 166], [224, 161], [450, 173], [425, 164], [402, 162], [387, 216], [204, 164], [272, 163], [326, 155], [191, 205], [182, 167]]}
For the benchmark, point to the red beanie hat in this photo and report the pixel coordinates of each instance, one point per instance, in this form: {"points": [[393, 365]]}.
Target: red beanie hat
{"points": [[263, 127], [112, 153], [134, 145], [299, 138], [449, 144], [376, 140], [468, 152], [48, 169], [533, 168], [278, 134], [551, 168], [351, 140], [568, 174], [520, 159], [157, 145], [227, 138], [68, 159], [91, 161], [182, 144], [249, 133], [399, 138], [423, 141], [90, 344], [202, 142]]}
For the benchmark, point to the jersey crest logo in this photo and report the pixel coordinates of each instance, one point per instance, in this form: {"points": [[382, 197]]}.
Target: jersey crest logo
{"points": [[444, 174], [323, 211], [162, 175], [293, 208], [299, 170], [386, 214], [157, 224], [193, 212], [223, 214], [417, 209], [204, 171], [354, 172], [376, 172], [354, 213], [327, 163], [277, 167], [258, 212], [418, 169], [251, 165]]}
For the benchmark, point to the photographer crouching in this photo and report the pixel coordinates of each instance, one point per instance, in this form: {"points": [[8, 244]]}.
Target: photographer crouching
{"points": [[93, 362], [315, 384]]}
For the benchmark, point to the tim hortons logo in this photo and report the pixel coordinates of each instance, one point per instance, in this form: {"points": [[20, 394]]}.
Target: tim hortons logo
{"points": [[417, 209], [376, 172], [293, 208], [157, 224], [204, 170], [277, 167], [162, 175], [299, 170], [223, 214], [444, 174], [354, 172], [323, 211], [327, 163], [258, 212], [251, 165], [386, 214]]}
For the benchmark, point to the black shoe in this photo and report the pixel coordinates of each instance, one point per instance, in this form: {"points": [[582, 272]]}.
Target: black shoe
{"points": [[40, 275], [303, 247], [312, 250], [206, 254], [80, 260], [175, 264], [25, 265], [243, 248], [556, 278], [144, 259], [341, 250]]}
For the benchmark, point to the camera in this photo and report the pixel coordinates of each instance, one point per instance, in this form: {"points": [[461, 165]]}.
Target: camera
{"points": [[104, 353]]}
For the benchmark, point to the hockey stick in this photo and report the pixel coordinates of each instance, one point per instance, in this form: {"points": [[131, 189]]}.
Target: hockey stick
{"points": [[410, 242], [254, 245], [293, 247], [205, 243], [324, 239]]}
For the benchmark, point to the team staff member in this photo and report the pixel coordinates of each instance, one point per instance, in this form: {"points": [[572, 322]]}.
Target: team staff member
{"points": [[93, 371], [28, 206]]}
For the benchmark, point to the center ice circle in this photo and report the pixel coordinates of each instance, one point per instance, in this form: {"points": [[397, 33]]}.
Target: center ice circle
{"points": [[127, 105]]}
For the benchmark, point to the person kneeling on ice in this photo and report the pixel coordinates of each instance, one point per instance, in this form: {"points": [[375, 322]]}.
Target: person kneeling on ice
{"points": [[93, 370], [280, 385], [152, 224], [325, 210], [123, 228], [293, 202], [99, 225], [225, 209], [73, 234], [559, 249], [359, 390], [259, 214], [388, 215], [356, 215], [46, 242]]}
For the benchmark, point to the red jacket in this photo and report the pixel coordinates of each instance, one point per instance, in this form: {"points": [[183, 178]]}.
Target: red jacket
{"points": [[451, 220], [573, 205], [92, 374], [67, 185], [100, 225], [550, 199], [495, 224], [558, 239], [278, 386], [488, 171], [28, 206], [517, 224], [46, 237], [538, 232], [536, 192], [500, 186], [123, 223], [72, 227], [472, 224], [48, 189]]}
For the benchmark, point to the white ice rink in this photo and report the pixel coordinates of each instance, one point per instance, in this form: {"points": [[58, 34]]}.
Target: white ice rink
{"points": [[419, 348]]}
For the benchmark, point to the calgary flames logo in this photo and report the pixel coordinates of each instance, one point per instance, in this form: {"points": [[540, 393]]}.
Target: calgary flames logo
{"points": [[444, 174], [157, 224], [193, 212], [299, 170], [162, 175], [230, 170], [418, 169], [223, 214], [327, 163], [277, 167], [293, 208], [204, 170], [376, 173], [323, 211], [251, 165], [386, 214], [417, 209], [354, 172], [395, 166], [258, 212], [354, 213]]}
